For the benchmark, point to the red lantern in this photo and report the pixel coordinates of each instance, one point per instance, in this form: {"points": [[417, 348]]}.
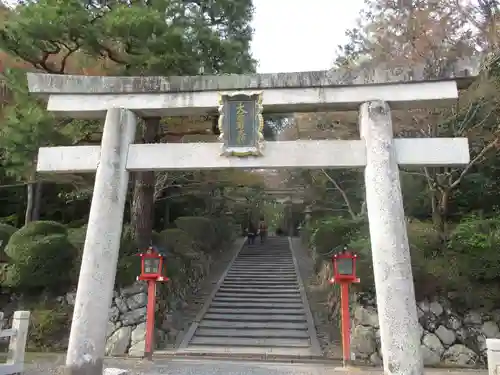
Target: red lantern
{"points": [[344, 268], [344, 273], [152, 266], [151, 271]]}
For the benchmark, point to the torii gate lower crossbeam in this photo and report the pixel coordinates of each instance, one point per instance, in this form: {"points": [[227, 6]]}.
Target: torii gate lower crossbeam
{"points": [[377, 151]]}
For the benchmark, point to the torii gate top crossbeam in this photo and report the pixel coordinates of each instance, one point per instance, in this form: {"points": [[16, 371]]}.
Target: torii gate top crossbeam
{"points": [[90, 97], [462, 72]]}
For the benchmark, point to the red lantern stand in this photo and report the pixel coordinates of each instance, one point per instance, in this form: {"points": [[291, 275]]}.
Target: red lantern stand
{"points": [[151, 271], [344, 273]]}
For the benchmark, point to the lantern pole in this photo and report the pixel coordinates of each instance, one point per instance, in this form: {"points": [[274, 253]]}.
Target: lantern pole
{"points": [[345, 322], [150, 320]]}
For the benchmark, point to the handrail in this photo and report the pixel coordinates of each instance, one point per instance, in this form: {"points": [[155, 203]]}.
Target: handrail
{"points": [[18, 334]]}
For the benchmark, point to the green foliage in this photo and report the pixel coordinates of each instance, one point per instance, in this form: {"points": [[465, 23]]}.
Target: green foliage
{"points": [[49, 325], [41, 256], [26, 126], [165, 37], [200, 229], [179, 242], [475, 243], [225, 230], [333, 233], [6, 231]]}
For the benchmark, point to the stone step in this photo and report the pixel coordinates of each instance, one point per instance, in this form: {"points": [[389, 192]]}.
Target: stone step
{"points": [[262, 285], [262, 296], [262, 333], [256, 318], [206, 323], [242, 304], [270, 268], [222, 310], [250, 273], [282, 289], [262, 279], [249, 276], [260, 259], [263, 292], [241, 350], [254, 300], [272, 342]]}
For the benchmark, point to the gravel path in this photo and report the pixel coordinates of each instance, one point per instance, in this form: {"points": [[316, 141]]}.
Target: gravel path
{"points": [[219, 367]]}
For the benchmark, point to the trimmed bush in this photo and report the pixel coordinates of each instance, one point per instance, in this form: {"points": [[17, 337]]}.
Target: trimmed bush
{"points": [[225, 230], [6, 231], [41, 256], [179, 242], [43, 228], [200, 229]]}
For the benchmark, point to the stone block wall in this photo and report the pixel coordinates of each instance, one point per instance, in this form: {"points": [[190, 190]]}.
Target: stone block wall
{"points": [[448, 336], [127, 322]]}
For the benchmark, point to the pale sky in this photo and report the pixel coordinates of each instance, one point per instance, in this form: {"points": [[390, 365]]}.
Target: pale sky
{"points": [[300, 35]]}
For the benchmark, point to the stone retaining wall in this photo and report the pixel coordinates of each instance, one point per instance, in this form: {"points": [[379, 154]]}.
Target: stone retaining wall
{"points": [[127, 322], [448, 337]]}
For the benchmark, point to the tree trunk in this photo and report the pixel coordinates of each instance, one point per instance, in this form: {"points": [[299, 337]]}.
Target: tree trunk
{"points": [[143, 201], [439, 202], [30, 198], [166, 216], [35, 215]]}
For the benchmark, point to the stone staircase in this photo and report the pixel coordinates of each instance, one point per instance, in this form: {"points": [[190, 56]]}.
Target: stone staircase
{"points": [[259, 307]]}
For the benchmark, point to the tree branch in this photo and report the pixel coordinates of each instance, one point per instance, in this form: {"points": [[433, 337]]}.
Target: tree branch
{"points": [[342, 192]]}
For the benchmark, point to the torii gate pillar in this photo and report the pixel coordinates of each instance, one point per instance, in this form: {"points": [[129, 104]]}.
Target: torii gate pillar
{"points": [[399, 333], [102, 242]]}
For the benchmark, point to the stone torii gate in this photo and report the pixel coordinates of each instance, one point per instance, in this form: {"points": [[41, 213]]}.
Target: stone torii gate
{"points": [[121, 100]]}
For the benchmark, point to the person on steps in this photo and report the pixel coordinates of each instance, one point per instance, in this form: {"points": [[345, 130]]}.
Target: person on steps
{"points": [[262, 230], [251, 234]]}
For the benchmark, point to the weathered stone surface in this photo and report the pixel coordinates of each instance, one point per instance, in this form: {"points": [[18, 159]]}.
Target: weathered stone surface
{"points": [[118, 342], [447, 336], [120, 303], [115, 371], [136, 288], [436, 308], [134, 317], [111, 329], [363, 341], [490, 330], [430, 357], [459, 355], [52, 83], [139, 333], [114, 313], [375, 359], [70, 298], [137, 300], [137, 349], [366, 316], [453, 322], [432, 342], [473, 318]]}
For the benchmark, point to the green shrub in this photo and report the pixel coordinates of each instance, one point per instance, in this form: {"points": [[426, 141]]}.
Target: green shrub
{"points": [[6, 231], [225, 230], [48, 327], [475, 244], [43, 228], [332, 234], [179, 242], [40, 258], [335, 232], [200, 229]]}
